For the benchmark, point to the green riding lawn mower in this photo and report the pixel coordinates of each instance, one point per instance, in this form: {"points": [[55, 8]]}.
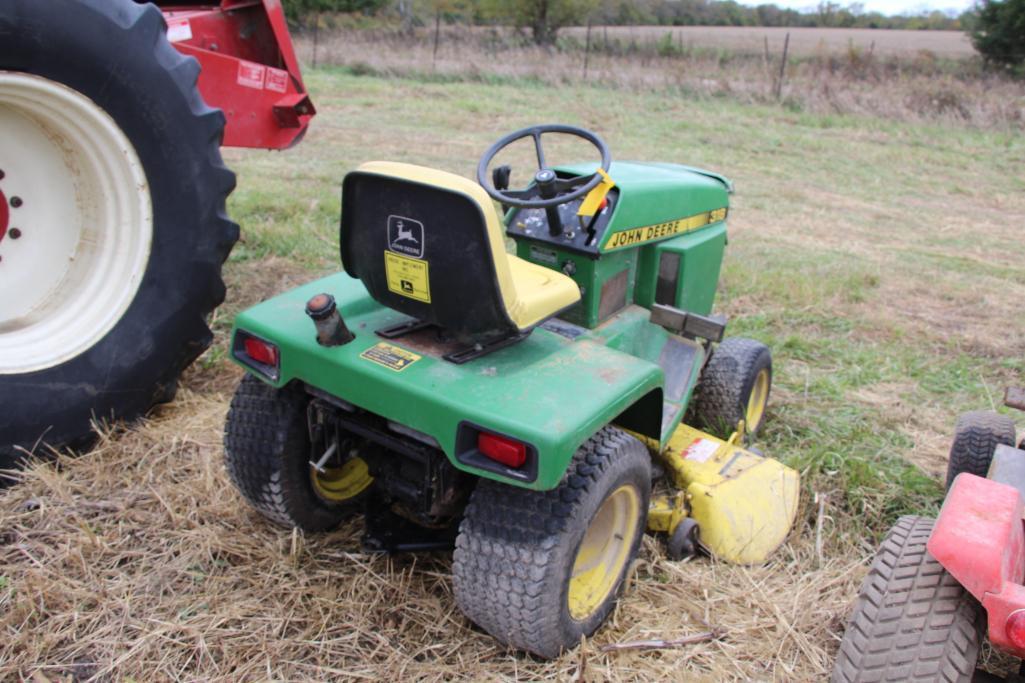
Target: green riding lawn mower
{"points": [[525, 409]]}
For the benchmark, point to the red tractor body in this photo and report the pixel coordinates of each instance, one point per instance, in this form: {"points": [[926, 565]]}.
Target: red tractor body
{"points": [[979, 538], [249, 68]]}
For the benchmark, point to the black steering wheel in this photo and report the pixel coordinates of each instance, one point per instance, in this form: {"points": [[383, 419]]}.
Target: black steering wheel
{"points": [[548, 189]]}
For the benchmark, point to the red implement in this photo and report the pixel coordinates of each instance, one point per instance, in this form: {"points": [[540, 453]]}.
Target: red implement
{"points": [[4, 216], [980, 539], [249, 68]]}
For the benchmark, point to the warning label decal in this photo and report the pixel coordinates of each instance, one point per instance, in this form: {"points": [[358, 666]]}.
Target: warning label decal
{"points": [[700, 450], [390, 356], [178, 30], [407, 276], [251, 75], [276, 80]]}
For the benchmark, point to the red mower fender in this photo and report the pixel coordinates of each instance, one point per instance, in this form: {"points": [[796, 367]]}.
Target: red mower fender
{"points": [[979, 538]]}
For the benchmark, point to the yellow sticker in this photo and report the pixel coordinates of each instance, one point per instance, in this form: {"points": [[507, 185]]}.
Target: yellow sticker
{"points": [[650, 233], [390, 356], [592, 202], [408, 276]]}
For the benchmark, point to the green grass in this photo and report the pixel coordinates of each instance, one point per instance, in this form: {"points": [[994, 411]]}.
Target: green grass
{"points": [[857, 247]]}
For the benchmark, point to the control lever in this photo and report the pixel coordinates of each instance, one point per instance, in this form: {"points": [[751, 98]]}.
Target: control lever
{"points": [[500, 177]]}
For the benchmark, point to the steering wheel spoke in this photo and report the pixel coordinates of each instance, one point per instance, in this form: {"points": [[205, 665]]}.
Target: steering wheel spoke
{"points": [[541, 163], [567, 184], [529, 193]]}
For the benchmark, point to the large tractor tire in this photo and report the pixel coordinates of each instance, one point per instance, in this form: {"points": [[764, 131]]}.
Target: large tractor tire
{"points": [[539, 569], [913, 621], [976, 437], [113, 227]]}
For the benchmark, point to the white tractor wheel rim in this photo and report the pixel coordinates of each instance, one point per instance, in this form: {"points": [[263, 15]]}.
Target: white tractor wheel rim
{"points": [[79, 223]]}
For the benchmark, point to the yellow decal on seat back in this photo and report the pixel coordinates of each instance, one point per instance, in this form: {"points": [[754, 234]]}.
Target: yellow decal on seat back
{"points": [[409, 277], [650, 233]]}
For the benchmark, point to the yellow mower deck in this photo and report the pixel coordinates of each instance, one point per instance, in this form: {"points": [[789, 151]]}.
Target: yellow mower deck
{"points": [[744, 503]]}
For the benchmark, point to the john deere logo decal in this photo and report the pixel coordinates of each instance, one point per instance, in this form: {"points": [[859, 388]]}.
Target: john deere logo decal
{"points": [[406, 236], [650, 233]]}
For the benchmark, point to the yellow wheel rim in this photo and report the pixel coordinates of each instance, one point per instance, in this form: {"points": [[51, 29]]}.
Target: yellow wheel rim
{"points": [[757, 400], [339, 484], [604, 552]]}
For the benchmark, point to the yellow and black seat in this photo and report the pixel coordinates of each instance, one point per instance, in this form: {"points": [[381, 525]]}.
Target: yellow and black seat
{"points": [[430, 244]]}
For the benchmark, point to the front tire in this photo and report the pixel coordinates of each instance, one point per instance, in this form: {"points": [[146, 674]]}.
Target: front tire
{"points": [[540, 569], [114, 180], [976, 437], [735, 386], [913, 621]]}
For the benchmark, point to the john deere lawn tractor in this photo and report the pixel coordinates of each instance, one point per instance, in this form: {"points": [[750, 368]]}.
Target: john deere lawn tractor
{"points": [[525, 408]]}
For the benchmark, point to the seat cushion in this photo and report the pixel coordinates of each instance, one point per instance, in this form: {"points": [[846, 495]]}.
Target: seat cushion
{"points": [[540, 292]]}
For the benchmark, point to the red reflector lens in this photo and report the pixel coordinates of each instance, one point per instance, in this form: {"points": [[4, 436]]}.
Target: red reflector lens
{"points": [[261, 351], [500, 449], [1016, 629]]}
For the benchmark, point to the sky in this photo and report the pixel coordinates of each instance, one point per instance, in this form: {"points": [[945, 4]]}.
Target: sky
{"points": [[884, 6]]}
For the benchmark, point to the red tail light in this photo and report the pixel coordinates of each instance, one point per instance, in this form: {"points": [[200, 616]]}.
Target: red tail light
{"points": [[500, 449], [1016, 628], [261, 351]]}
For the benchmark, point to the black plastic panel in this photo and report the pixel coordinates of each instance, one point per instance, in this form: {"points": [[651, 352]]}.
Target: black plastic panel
{"points": [[582, 237]]}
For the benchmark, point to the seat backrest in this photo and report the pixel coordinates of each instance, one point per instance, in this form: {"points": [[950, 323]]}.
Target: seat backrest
{"points": [[428, 244]]}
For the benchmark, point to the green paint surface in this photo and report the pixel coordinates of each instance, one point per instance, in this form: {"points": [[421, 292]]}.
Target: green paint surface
{"points": [[547, 390]]}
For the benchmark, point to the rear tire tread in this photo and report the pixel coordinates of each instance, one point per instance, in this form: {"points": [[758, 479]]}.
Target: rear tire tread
{"points": [[266, 453], [511, 538], [912, 621]]}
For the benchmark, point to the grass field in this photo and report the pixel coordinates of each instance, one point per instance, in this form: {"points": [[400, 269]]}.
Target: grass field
{"points": [[880, 259]]}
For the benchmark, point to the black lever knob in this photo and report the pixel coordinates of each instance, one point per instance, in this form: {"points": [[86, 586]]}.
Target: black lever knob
{"points": [[500, 177], [545, 180]]}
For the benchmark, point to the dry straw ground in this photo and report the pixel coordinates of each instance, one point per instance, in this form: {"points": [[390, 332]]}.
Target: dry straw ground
{"points": [[880, 260]]}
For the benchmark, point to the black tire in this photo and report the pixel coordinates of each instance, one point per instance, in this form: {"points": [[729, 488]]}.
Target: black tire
{"points": [[976, 436], [685, 541], [267, 455], [727, 382], [115, 52], [517, 548], [912, 621]]}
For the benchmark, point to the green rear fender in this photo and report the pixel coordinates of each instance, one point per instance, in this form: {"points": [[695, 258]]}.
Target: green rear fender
{"points": [[551, 391]]}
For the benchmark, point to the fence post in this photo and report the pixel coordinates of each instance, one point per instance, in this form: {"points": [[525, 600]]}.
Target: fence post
{"points": [[587, 48], [782, 67], [316, 37], [437, 37]]}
